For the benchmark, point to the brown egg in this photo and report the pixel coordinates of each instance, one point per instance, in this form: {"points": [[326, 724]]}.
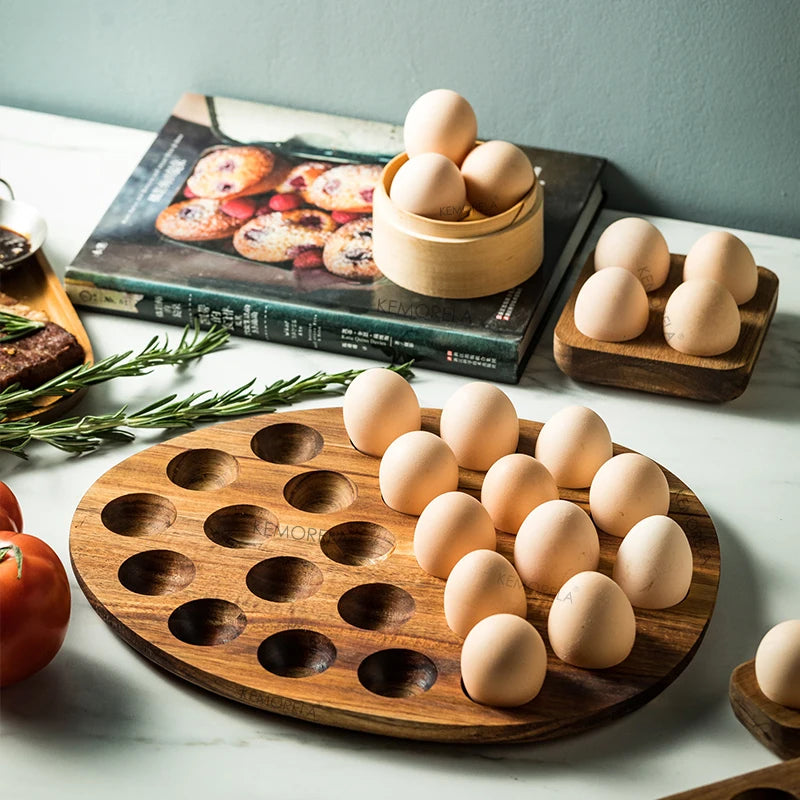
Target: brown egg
{"points": [[555, 541], [498, 175], [654, 563], [625, 490], [379, 405], [573, 444], [778, 664], [482, 583], [480, 425], [440, 121], [612, 306], [637, 246], [701, 318], [503, 661], [415, 468], [513, 487], [726, 259], [591, 622], [430, 185], [450, 526]]}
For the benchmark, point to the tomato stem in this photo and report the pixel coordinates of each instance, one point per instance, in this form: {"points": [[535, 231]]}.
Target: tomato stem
{"points": [[5, 549]]}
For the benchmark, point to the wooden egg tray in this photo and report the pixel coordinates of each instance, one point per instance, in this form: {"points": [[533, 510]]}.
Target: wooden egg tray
{"points": [[257, 559], [649, 364]]}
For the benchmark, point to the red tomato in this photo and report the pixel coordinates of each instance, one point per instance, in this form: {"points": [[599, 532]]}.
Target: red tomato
{"points": [[9, 504], [34, 605]]}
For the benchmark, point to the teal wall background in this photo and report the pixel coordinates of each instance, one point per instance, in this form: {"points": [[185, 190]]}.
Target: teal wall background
{"points": [[696, 103]]}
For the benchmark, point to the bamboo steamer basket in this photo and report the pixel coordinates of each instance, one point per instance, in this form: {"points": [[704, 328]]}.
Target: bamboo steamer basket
{"points": [[474, 257]]}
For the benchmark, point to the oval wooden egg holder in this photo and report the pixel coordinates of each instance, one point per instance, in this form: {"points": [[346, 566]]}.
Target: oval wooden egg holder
{"points": [[257, 559], [774, 725], [473, 257]]}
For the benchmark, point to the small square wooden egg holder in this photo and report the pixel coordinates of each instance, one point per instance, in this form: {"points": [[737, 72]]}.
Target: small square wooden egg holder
{"points": [[473, 257], [257, 559], [649, 364]]}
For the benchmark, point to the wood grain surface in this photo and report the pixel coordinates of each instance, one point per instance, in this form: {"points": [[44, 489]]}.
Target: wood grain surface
{"points": [[257, 559], [649, 364], [34, 283], [778, 782], [773, 725]]}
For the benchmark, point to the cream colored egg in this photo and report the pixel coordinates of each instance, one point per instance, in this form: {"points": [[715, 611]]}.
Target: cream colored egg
{"points": [[726, 259], [430, 185], [625, 490], [637, 246], [513, 486], [480, 425], [573, 444], [497, 175], [701, 318], [591, 622], [450, 526], [503, 661], [440, 121], [612, 306], [778, 664], [379, 405], [482, 583], [555, 541], [654, 563], [415, 468]]}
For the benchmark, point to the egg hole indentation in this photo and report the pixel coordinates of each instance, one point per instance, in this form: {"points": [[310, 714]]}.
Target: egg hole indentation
{"points": [[764, 793], [139, 514], [203, 470], [287, 443], [240, 526], [296, 653], [284, 579], [397, 673], [156, 572], [320, 492], [357, 544], [376, 606], [207, 622]]}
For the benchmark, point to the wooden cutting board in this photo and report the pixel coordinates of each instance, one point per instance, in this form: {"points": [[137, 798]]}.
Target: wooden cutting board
{"points": [[257, 559], [34, 283], [649, 364]]}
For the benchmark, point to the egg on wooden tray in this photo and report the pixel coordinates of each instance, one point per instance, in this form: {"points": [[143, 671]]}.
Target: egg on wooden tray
{"points": [[591, 622], [379, 405], [503, 661], [637, 246], [612, 306], [573, 444], [701, 318], [450, 526], [555, 541], [653, 565], [726, 259], [480, 425], [777, 664]]}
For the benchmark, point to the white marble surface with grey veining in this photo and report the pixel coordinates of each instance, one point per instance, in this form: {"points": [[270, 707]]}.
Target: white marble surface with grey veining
{"points": [[101, 721]]}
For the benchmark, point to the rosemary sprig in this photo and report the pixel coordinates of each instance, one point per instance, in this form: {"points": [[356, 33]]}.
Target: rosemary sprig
{"points": [[157, 352], [85, 434], [13, 326]]}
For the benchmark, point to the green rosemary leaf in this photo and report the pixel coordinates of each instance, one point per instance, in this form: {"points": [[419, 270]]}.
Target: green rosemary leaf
{"points": [[13, 326]]}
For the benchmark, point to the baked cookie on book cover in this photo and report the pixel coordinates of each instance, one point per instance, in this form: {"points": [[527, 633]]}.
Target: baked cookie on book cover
{"points": [[283, 235], [197, 220], [348, 252], [301, 177], [234, 171], [348, 187]]}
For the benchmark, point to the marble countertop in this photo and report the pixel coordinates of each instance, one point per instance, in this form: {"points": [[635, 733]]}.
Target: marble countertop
{"points": [[100, 721]]}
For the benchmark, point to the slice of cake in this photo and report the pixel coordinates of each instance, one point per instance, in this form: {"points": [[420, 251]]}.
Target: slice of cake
{"points": [[36, 358]]}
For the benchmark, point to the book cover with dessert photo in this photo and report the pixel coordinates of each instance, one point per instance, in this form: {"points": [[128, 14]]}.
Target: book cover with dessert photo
{"points": [[259, 218]]}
